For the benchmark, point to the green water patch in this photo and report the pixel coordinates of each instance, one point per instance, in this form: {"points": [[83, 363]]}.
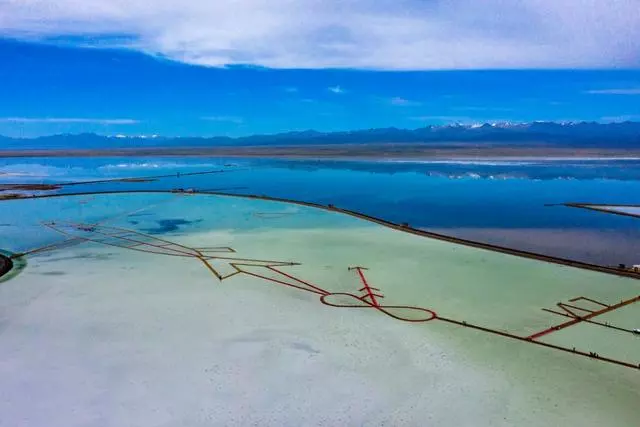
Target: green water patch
{"points": [[10, 266]]}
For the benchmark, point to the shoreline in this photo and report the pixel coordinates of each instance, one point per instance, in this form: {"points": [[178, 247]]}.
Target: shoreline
{"points": [[406, 228], [371, 152]]}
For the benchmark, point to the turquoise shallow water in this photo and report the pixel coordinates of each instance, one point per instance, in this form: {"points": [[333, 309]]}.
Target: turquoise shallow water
{"points": [[488, 287], [130, 335], [495, 201]]}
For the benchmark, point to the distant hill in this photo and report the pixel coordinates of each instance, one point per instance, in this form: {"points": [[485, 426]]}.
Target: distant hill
{"points": [[566, 135]]}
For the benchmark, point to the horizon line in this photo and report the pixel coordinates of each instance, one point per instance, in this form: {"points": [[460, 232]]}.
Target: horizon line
{"points": [[475, 125]]}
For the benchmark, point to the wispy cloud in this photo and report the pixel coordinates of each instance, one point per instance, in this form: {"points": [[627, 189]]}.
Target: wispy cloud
{"points": [[621, 118], [291, 89], [68, 120], [384, 34], [482, 109], [335, 89], [447, 119], [626, 91], [229, 119], [402, 102]]}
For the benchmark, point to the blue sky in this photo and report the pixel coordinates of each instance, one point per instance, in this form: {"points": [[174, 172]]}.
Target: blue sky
{"points": [[251, 66]]}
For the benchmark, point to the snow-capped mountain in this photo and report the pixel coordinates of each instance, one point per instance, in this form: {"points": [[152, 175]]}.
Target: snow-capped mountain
{"points": [[565, 134]]}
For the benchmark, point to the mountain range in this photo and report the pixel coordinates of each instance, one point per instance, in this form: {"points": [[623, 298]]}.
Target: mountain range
{"points": [[568, 134]]}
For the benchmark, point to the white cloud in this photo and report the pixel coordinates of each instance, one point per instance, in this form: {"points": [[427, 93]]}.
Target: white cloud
{"points": [[336, 89], [367, 34], [229, 119], [69, 120], [628, 91], [291, 89], [402, 102]]}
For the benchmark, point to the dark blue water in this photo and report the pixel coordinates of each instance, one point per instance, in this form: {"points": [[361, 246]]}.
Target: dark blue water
{"points": [[500, 202]]}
